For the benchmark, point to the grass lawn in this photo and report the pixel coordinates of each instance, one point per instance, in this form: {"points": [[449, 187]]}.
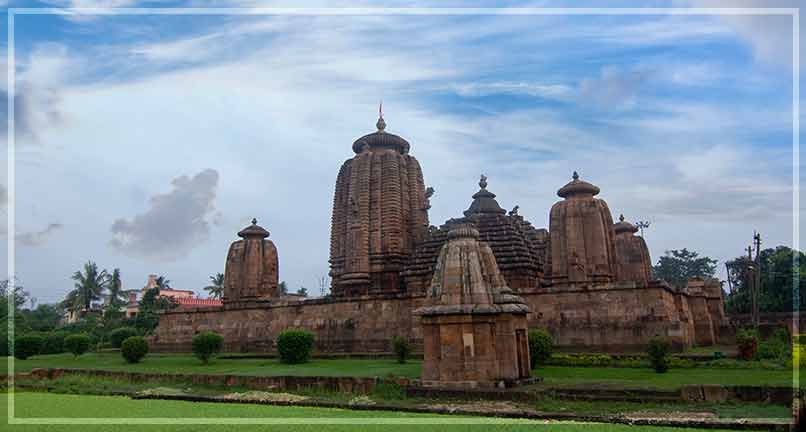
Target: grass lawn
{"points": [[629, 377], [723, 410], [74, 406], [174, 363]]}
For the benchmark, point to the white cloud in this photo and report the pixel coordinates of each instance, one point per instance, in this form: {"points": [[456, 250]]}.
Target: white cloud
{"points": [[176, 222]]}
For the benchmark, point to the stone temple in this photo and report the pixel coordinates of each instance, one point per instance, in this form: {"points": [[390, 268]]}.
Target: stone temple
{"points": [[585, 279]]}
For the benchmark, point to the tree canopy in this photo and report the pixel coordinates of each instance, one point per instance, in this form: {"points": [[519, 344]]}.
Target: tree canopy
{"points": [[777, 282], [678, 266]]}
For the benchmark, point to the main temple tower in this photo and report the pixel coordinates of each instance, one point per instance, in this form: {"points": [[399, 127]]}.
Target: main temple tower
{"points": [[380, 212]]}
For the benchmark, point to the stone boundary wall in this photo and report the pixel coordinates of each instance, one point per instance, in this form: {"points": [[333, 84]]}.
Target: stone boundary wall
{"points": [[608, 318]]}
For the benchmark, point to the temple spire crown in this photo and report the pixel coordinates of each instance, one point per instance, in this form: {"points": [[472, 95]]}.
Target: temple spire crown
{"points": [[381, 124], [575, 176], [483, 181]]}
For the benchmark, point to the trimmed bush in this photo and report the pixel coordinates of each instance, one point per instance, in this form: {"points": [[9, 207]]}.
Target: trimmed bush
{"points": [[118, 335], [746, 343], [295, 346], [27, 345], [54, 342], [658, 351], [206, 345], [540, 347], [77, 344], [401, 347], [134, 348]]}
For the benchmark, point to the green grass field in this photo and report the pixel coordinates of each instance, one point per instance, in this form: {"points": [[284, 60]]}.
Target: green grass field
{"points": [[674, 378], [173, 363], [553, 375], [43, 405]]}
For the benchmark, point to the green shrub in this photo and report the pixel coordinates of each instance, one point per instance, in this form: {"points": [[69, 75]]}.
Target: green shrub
{"points": [[746, 343], [27, 345], [206, 345], [540, 347], [54, 342], [658, 351], [118, 335], [295, 346], [77, 344], [401, 347], [134, 348]]}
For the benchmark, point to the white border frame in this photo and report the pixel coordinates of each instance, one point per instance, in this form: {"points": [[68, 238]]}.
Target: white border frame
{"points": [[793, 12]]}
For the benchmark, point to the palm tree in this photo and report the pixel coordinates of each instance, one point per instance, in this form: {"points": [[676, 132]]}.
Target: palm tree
{"points": [[89, 286], [117, 296], [216, 287], [163, 282]]}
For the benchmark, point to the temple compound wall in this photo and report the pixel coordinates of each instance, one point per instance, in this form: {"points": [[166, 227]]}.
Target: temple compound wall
{"points": [[610, 319], [585, 279]]}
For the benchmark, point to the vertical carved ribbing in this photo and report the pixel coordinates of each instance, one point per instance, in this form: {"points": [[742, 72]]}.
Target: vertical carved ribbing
{"points": [[392, 205], [378, 215], [359, 254], [582, 241], [376, 224]]}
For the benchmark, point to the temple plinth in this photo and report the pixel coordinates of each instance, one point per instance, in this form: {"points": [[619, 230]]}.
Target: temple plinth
{"points": [[251, 270], [474, 328], [380, 212]]}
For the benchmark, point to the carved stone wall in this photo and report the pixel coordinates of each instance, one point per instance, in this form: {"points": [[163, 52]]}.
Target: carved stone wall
{"points": [[616, 318], [380, 212], [582, 243]]}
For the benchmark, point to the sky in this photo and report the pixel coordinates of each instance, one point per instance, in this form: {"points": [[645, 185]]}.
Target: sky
{"points": [[146, 142]]}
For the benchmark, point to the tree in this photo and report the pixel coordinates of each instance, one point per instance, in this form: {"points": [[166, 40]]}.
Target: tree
{"points": [[44, 318], [302, 291], [163, 282], [89, 286], [678, 266], [777, 279], [20, 297], [150, 306], [117, 297], [216, 287], [283, 288]]}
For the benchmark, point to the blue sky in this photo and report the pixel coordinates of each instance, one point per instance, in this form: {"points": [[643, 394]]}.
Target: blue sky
{"points": [[147, 142]]}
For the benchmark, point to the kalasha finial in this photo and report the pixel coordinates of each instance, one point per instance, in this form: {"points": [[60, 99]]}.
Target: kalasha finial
{"points": [[483, 182], [254, 221], [381, 124], [621, 218], [575, 176]]}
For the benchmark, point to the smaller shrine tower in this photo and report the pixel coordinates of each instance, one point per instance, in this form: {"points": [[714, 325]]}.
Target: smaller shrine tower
{"points": [[632, 254], [581, 229], [251, 269]]}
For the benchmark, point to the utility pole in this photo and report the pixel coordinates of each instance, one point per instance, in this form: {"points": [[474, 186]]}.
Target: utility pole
{"points": [[641, 225], [757, 282], [751, 285]]}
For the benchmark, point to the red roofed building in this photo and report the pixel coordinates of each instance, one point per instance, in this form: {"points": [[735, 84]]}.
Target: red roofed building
{"points": [[185, 298]]}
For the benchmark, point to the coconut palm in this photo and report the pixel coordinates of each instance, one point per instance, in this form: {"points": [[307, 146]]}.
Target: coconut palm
{"points": [[163, 282], [89, 286], [216, 287], [117, 296]]}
